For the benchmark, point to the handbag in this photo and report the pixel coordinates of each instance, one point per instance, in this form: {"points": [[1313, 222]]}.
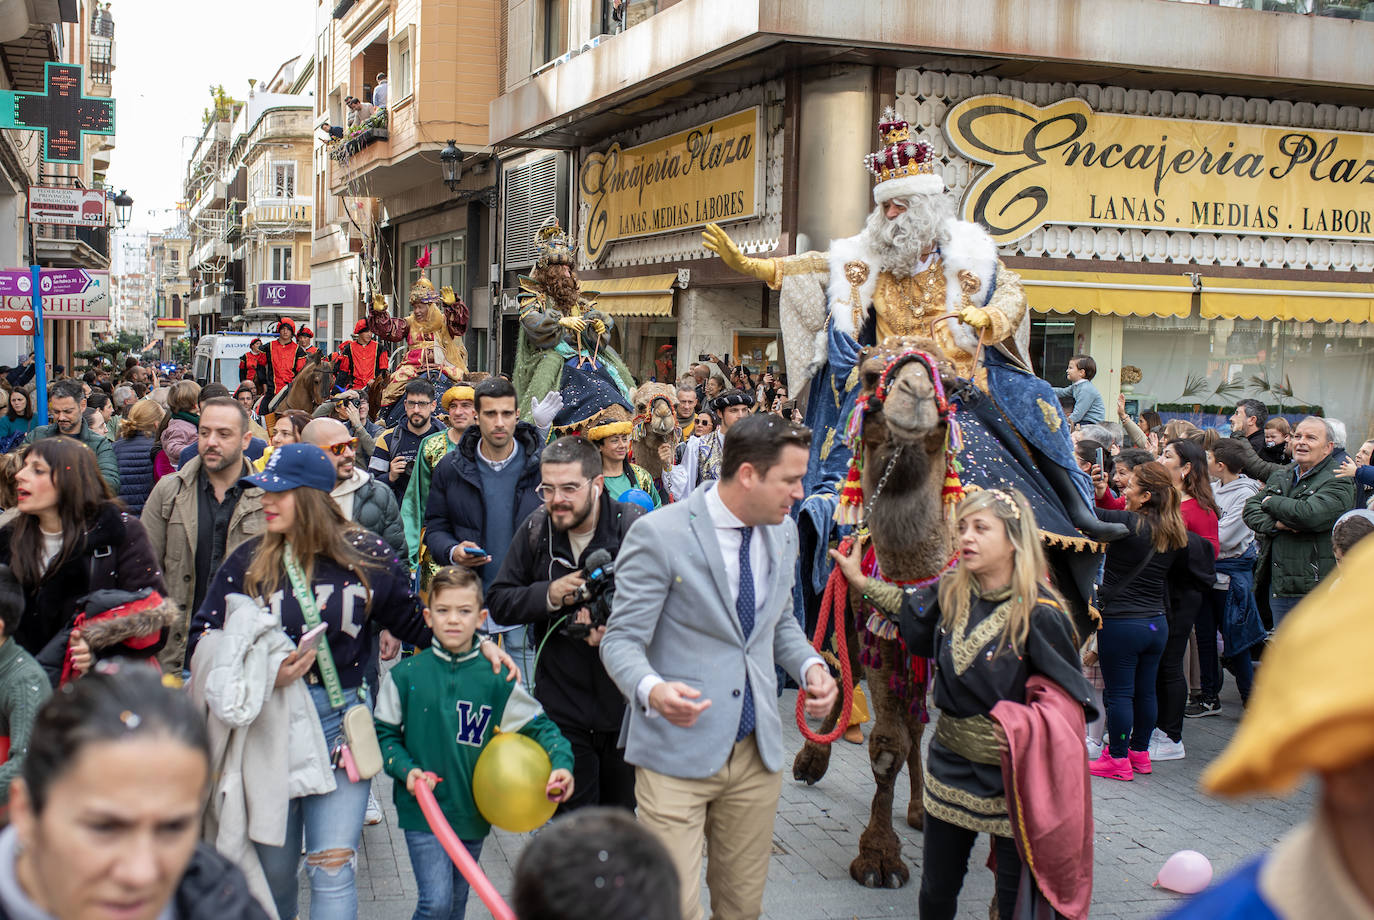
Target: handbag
{"points": [[360, 755]]}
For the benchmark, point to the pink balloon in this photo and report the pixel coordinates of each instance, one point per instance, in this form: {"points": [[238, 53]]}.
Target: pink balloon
{"points": [[1186, 872]]}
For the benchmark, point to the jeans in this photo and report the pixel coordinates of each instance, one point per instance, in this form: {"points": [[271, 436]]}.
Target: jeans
{"points": [[1208, 625], [443, 891], [1128, 651], [945, 861], [516, 643], [333, 821], [1171, 686], [1281, 606], [600, 774]]}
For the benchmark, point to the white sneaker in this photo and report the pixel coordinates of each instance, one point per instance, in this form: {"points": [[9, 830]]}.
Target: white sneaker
{"points": [[373, 815], [1094, 748], [1165, 749]]}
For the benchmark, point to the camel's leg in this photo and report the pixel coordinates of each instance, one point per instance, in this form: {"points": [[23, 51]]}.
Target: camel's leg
{"points": [[915, 809], [879, 863]]}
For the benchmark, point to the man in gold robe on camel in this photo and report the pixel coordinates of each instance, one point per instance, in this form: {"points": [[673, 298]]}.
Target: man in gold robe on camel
{"points": [[433, 331]]}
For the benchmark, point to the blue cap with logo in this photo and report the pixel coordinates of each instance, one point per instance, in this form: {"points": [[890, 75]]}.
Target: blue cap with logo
{"points": [[292, 466]]}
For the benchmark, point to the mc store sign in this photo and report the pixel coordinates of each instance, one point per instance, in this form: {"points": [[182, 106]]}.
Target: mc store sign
{"points": [[1066, 164]]}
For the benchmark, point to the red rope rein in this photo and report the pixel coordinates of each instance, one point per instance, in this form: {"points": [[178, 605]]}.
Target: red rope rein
{"points": [[832, 603]]}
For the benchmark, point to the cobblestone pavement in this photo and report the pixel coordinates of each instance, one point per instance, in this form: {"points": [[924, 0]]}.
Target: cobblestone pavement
{"points": [[817, 830]]}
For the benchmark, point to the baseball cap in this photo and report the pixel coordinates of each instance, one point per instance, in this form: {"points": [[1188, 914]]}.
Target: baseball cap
{"points": [[293, 466]]}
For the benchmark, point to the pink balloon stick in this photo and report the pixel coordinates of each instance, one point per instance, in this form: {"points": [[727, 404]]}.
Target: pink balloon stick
{"points": [[477, 879]]}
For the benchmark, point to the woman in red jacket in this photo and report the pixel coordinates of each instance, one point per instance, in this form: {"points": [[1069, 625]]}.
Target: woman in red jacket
{"points": [[1186, 462]]}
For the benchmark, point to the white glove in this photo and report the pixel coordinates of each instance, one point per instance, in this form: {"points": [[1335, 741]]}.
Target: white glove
{"points": [[544, 410]]}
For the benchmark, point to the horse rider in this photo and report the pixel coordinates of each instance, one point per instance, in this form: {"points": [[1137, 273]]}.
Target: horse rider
{"points": [[306, 339], [252, 359], [361, 359], [285, 358]]}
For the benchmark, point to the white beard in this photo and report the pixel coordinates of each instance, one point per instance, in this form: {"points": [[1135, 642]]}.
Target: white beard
{"points": [[897, 244]]}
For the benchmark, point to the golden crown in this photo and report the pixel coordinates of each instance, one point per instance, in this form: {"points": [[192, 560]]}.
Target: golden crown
{"points": [[900, 156], [553, 246]]}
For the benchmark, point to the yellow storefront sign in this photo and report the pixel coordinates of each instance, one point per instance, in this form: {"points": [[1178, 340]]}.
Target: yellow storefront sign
{"points": [[1066, 164], [708, 173]]}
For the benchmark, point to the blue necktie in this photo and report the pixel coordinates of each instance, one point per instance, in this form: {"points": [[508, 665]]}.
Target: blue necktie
{"points": [[744, 609]]}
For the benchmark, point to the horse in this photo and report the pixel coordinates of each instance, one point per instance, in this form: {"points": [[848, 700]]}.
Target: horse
{"points": [[312, 385]]}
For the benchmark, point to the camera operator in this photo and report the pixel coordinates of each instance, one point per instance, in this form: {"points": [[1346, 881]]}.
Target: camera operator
{"points": [[556, 578]]}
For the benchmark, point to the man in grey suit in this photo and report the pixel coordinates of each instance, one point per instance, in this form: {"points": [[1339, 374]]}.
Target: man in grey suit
{"points": [[702, 614]]}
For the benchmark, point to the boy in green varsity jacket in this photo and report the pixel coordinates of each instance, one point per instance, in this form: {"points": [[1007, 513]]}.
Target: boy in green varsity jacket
{"points": [[435, 712]]}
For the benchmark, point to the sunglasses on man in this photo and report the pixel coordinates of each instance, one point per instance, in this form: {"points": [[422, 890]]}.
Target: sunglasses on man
{"points": [[338, 449]]}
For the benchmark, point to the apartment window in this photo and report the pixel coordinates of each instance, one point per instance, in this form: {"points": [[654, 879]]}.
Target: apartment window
{"points": [[447, 262], [555, 21], [284, 180], [281, 263], [399, 75]]}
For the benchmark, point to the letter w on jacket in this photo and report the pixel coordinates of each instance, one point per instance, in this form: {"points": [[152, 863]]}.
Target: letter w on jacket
{"points": [[674, 616]]}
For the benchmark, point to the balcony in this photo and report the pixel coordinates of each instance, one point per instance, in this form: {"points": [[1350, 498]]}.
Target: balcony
{"points": [[209, 251], [277, 214], [72, 247], [101, 58], [359, 137], [212, 197]]}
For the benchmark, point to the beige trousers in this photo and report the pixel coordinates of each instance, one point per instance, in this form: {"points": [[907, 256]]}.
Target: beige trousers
{"points": [[733, 811]]}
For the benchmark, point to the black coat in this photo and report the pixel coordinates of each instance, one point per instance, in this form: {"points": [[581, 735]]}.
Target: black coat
{"points": [[570, 681], [456, 509], [136, 477], [114, 553]]}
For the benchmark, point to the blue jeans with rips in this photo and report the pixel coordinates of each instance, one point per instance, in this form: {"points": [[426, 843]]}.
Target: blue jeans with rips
{"points": [[329, 823], [443, 890]]}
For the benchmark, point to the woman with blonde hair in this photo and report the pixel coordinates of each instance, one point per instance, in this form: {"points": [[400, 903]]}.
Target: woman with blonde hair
{"points": [[134, 452], [991, 624]]}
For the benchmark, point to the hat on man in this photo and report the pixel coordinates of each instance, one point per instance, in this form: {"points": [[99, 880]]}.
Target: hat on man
{"points": [[360, 327], [293, 466], [305, 333], [904, 166], [1312, 709], [663, 348], [732, 398], [455, 393], [285, 321]]}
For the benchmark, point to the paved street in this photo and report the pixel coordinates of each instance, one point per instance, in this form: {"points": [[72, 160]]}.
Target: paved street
{"points": [[1138, 825]]}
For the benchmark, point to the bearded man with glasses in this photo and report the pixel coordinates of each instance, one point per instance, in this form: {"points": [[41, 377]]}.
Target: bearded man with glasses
{"points": [[545, 566]]}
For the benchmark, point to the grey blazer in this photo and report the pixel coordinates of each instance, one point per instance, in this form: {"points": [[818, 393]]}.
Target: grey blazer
{"points": [[674, 616]]}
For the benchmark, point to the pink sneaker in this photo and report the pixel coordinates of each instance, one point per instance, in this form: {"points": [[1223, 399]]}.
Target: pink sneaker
{"points": [[1112, 767], [1140, 761]]}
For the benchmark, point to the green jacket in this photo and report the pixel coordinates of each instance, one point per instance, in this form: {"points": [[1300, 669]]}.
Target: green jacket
{"points": [[437, 711], [104, 450], [1300, 556]]}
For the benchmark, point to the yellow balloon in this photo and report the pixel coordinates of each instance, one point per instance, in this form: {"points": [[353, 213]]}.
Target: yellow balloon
{"points": [[508, 783]]}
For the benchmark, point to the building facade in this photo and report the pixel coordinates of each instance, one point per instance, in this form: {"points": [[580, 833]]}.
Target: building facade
{"points": [[1177, 183], [386, 201]]}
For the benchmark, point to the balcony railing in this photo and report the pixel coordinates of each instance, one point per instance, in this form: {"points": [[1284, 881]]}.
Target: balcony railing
{"points": [[277, 213], [102, 61], [360, 136], [1334, 9]]}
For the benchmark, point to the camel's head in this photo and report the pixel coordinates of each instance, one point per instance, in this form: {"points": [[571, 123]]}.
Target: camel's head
{"points": [[909, 399], [656, 408]]}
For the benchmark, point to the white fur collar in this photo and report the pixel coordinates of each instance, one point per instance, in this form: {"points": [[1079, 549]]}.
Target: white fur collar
{"points": [[969, 248]]}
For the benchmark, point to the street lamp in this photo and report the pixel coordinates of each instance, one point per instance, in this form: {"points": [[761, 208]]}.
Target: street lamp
{"points": [[451, 159], [123, 205]]}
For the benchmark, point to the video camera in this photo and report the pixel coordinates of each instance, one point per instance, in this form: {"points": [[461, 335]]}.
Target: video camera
{"points": [[596, 594]]}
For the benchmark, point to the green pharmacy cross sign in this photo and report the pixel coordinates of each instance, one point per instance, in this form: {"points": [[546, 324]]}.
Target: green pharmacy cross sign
{"points": [[61, 112]]}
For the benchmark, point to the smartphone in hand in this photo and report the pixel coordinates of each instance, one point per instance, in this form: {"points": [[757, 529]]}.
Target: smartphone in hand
{"points": [[311, 638]]}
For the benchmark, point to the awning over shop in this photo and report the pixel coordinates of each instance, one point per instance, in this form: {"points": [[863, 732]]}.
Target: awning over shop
{"points": [[1303, 301], [1108, 293], [642, 295]]}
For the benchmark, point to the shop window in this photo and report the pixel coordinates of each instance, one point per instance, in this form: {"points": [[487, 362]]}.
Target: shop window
{"points": [[340, 333], [1051, 346], [1199, 369], [447, 263]]}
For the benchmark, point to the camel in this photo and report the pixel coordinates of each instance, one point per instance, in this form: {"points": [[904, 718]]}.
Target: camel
{"points": [[655, 423], [903, 451]]}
